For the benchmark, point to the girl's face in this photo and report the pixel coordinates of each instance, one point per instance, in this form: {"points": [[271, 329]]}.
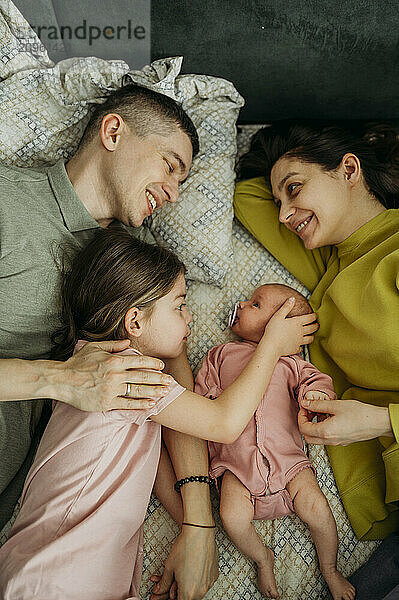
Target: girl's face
{"points": [[313, 204], [166, 330]]}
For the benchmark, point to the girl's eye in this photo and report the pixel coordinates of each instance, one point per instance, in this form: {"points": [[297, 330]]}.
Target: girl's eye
{"points": [[291, 187]]}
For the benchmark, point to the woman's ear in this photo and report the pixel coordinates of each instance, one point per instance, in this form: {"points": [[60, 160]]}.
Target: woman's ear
{"points": [[134, 322], [350, 167]]}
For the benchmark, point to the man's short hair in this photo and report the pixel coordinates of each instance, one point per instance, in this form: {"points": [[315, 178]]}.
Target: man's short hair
{"points": [[145, 111]]}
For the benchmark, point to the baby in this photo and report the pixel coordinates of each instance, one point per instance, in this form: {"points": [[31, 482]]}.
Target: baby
{"points": [[265, 473]]}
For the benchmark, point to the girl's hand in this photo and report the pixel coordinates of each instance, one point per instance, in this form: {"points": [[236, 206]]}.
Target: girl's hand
{"points": [[289, 334]]}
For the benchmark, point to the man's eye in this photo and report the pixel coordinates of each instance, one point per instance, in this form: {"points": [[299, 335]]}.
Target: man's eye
{"points": [[170, 168], [256, 304]]}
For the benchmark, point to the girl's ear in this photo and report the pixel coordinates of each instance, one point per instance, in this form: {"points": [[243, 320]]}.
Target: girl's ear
{"points": [[134, 321]]}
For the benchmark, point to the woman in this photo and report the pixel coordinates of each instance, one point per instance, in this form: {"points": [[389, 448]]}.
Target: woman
{"points": [[330, 218]]}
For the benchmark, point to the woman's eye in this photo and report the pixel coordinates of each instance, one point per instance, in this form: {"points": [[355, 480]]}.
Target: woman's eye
{"points": [[292, 187], [181, 306]]}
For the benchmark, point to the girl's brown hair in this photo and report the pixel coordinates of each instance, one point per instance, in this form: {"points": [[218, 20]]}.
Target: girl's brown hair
{"points": [[101, 282]]}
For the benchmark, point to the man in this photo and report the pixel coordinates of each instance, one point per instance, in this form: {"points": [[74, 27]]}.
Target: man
{"points": [[136, 150]]}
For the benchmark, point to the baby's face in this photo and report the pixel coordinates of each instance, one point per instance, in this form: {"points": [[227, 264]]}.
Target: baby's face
{"points": [[254, 314]]}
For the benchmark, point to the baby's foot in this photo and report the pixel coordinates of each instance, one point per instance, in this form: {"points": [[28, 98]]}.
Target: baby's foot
{"points": [[266, 580], [340, 587]]}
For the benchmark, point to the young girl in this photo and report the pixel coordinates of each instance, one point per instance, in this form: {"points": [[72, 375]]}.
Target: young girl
{"points": [[79, 532]]}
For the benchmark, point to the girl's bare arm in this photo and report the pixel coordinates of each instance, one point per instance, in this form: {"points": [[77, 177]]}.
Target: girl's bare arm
{"points": [[223, 420]]}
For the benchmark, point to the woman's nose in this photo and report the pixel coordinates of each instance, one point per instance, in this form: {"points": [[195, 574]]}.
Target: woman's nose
{"points": [[189, 317], [285, 213]]}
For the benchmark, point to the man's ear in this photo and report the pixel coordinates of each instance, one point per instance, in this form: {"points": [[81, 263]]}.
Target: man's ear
{"points": [[112, 126], [134, 322]]}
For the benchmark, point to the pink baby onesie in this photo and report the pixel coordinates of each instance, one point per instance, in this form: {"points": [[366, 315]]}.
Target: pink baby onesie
{"points": [[269, 452], [78, 535]]}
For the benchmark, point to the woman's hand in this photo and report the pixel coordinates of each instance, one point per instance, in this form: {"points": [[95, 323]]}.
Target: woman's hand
{"points": [[341, 422], [289, 334], [94, 379]]}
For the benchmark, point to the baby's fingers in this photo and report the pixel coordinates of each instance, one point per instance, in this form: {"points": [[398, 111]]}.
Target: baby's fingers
{"points": [[316, 395]]}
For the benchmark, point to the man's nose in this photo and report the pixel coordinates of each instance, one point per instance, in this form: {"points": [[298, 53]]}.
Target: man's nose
{"points": [[172, 191], [242, 303]]}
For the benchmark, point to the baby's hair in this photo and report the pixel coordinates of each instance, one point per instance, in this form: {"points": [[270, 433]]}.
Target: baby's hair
{"points": [[301, 306], [99, 284]]}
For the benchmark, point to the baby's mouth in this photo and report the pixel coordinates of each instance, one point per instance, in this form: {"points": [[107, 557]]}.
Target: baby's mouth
{"points": [[233, 319]]}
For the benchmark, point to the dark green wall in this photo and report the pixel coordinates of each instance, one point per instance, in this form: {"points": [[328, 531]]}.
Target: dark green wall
{"points": [[287, 58]]}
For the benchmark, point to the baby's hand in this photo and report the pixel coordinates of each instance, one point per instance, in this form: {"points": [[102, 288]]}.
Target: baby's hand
{"points": [[289, 334], [315, 395]]}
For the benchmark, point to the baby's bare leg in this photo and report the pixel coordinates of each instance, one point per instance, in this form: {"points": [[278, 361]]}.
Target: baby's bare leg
{"points": [[312, 507], [163, 487], [237, 512]]}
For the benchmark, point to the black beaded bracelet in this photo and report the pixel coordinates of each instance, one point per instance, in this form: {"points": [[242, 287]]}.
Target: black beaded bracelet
{"points": [[192, 478]]}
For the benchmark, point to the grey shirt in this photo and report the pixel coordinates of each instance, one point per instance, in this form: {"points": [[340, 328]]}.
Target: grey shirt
{"points": [[39, 213]]}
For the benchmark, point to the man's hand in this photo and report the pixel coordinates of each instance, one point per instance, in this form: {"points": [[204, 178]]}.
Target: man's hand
{"points": [[95, 380], [341, 422], [191, 568]]}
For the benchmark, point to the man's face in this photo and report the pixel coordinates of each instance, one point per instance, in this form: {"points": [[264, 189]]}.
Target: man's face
{"points": [[145, 173], [254, 314]]}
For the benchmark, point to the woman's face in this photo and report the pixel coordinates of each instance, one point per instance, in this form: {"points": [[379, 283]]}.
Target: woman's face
{"points": [[314, 204]]}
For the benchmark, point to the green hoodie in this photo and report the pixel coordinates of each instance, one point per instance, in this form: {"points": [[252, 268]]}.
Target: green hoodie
{"points": [[355, 292]]}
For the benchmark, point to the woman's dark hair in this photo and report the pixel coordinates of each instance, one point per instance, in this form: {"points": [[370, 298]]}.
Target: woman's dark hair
{"points": [[101, 282], [325, 143]]}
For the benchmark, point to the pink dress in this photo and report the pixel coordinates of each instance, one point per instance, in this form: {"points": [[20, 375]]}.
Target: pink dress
{"points": [[269, 452], [78, 535]]}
